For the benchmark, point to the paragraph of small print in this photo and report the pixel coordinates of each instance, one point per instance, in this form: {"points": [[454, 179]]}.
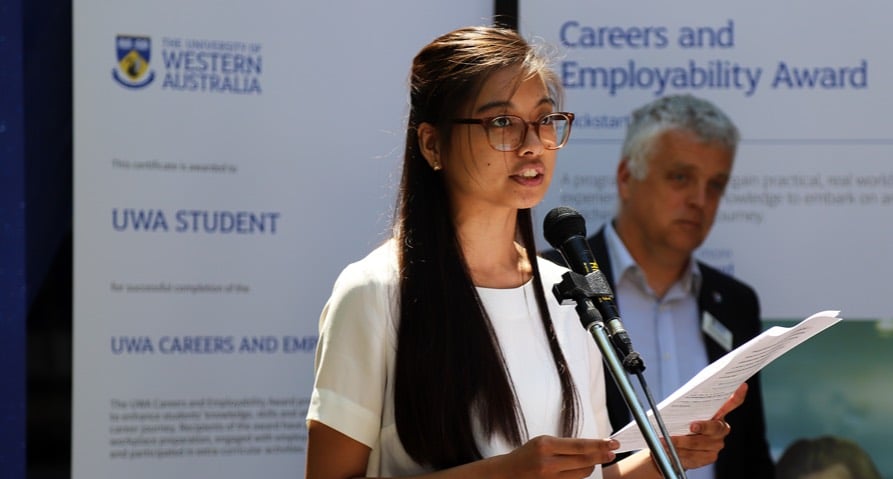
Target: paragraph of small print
{"points": [[206, 427]]}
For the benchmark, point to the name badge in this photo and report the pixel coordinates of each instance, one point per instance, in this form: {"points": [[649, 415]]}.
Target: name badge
{"points": [[716, 331]]}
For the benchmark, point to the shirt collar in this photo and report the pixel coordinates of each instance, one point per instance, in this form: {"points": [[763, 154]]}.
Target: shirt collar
{"points": [[622, 263]]}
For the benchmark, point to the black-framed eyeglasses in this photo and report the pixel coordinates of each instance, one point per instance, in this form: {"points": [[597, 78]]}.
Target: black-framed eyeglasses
{"points": [[508, 132]]}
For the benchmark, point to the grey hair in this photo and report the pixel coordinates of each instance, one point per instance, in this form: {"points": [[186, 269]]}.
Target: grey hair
{"points": [[678, 113]]}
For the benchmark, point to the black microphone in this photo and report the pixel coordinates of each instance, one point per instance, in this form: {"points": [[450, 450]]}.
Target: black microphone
{"points": [[565, 229]]}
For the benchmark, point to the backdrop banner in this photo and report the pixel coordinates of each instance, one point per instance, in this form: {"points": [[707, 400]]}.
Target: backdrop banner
{"points": [[230, 160], [805, 219]]}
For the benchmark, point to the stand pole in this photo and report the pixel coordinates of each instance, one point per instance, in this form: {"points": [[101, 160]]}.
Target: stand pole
{"points": [[597, 330], [576, 288]]}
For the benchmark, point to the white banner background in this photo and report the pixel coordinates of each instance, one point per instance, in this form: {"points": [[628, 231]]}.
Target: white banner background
{"points": [[813, 184], [193, 344]]}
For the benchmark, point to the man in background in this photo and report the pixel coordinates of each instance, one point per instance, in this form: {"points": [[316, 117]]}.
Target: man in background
{"points": [[681, 314]]}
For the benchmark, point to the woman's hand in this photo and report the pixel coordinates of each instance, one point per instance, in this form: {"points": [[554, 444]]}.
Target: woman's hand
{"points": [[555, 457], [708, 437]]}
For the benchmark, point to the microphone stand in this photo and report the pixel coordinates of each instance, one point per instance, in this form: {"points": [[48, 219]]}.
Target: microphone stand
{"points": [[581, 289]]}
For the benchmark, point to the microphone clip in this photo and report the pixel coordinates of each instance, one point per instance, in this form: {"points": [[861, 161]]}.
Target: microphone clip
{"points": [[575, 287], [593, 295]]}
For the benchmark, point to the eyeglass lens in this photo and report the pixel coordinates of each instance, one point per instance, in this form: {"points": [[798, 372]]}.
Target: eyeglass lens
{"points": [[508, 132]]}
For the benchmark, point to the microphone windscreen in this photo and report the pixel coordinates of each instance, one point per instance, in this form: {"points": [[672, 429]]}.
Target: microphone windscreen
{"points": [[562, 223]]}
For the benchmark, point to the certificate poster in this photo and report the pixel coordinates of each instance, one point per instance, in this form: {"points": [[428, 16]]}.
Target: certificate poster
{"points": [[229, 160], [806, 217]]}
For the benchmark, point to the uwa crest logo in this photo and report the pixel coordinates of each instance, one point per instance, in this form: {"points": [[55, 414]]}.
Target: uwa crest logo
{"points": [[134, 53]]}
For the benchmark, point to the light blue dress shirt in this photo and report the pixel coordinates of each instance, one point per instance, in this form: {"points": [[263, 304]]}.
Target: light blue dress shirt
{"points": [[666, 332]]}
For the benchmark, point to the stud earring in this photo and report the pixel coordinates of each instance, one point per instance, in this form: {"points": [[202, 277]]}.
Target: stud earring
{"points": [[437, 166]]}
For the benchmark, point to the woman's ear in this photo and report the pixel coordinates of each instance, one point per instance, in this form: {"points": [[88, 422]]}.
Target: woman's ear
{"points": [[429, 143]]}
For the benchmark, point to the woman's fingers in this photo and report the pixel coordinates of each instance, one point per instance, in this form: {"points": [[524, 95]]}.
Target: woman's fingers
{"points": [[555, 457], [733, 402]]}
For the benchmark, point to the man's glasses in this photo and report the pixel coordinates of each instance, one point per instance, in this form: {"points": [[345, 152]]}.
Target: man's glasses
{"points": [[508, 132]]}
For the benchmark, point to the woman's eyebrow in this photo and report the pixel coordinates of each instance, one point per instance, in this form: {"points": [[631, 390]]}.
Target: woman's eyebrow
{"points": [[503, 104]]}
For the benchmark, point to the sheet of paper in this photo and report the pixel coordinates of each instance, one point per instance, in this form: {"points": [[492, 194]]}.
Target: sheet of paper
{"points": [[702, 395]]}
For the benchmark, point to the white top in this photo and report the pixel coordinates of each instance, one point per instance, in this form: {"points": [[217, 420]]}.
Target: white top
{"points": [[353, 392]]}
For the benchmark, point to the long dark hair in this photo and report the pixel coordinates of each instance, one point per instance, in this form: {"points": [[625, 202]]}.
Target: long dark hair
{"points": [[450, 372]]}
